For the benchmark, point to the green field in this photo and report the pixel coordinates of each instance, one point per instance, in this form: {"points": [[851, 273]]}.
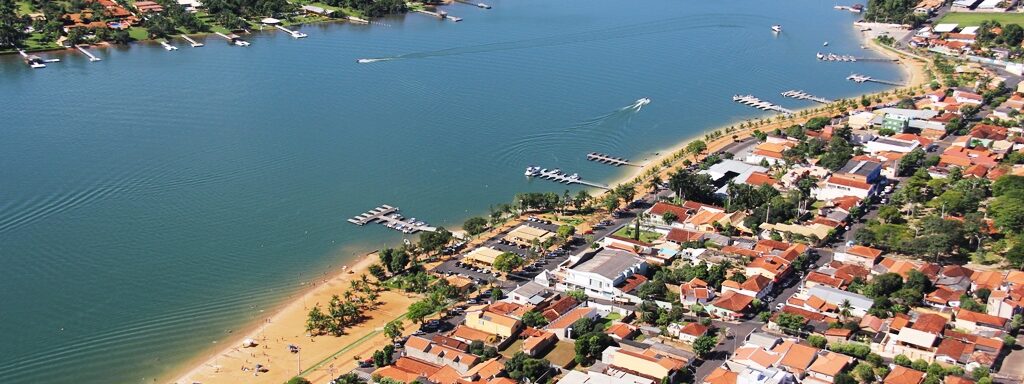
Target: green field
{"points": [[974, 19]]}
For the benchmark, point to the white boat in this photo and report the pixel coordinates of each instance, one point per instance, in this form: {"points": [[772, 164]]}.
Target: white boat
{"points": [[825, 44], [37, 65], [168, 47], [820, 56], [241, 43], [777, 28], [299, 35], [532, 171], [643, 101], [482, 5]]}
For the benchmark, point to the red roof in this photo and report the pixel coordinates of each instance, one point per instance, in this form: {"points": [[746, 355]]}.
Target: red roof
{"points": [[733, 301], [660, 208], [847, 182], [677, 235]]}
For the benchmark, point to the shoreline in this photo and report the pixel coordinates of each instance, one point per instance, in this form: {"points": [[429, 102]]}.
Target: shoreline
{"points": [[312, 294], [911, 79], [204, 365]]}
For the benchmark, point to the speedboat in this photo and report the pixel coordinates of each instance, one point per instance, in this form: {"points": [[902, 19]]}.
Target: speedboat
{"points": [[643, 101], [820, 56], [532, 171], [575, 176], [777, 28], [825, 44]]}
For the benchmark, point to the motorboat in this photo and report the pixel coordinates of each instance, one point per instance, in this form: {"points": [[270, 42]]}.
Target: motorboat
{"points": [[777, 28], [532, 171], [825, 44]]}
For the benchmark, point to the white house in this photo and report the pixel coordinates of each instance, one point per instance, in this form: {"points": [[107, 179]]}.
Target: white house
{"points": [[609, 274]]}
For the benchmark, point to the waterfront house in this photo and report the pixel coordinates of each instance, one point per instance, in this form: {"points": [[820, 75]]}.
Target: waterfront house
{"points": [[769, 152]]}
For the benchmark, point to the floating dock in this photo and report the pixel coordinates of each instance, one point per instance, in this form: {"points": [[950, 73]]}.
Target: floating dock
{"points": [[168, 46], [389, 217], [801, 95], [862, 79], [295, 34], [91, 57], [234, 39], [441, 15], [33, 60], [607, 159], [558, 176], [849, 58], [195, 44], [760, 104]]}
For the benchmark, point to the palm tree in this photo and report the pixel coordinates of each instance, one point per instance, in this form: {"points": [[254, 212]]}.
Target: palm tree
{"points": [[844, 309], [654, 183]]}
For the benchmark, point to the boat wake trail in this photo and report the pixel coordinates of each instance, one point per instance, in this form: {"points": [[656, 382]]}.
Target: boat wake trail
{"points": [[678, 24], [637, 106]]}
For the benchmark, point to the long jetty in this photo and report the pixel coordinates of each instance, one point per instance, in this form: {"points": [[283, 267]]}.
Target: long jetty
{"points": [[478, 5], [561, 177], [440, 15], [195, 44], [850, 58], [295, 34], [801, 95], [760, 104], [389, 217], [87, 53], [862, 78], [608, 159]]}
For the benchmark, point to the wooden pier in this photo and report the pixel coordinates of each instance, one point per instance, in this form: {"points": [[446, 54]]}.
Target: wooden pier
{"points": [[760, 104], [801, 95], [607, 159], [558, 176], [195, 44], [91, 57], [440, 15], [389, 217], [862, 78], [295, 34]]}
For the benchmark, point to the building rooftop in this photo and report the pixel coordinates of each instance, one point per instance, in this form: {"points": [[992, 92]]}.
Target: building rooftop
{"points": [[609, 263]]}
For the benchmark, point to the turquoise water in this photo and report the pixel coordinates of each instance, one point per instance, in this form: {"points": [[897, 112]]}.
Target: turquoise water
{"points": [[153, 200]]}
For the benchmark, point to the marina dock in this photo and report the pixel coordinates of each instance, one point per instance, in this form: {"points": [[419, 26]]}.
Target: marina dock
{"points": [[760, 104], [558, 176], [801, 95], [295, 34], [607, 159], [440, 15], [389, 217], [91, 57], [195, 44], [849, 58], [33, 60], [862, 78]]}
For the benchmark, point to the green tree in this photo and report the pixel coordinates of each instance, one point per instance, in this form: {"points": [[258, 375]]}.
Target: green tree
{"points": [[566, 231], [704, 345], [589, 346], [507, 262], [393, 329], [298, 380], [817, 341], [577, 294], [534, 319], [475, 225], [523, 368], [419, 310]]}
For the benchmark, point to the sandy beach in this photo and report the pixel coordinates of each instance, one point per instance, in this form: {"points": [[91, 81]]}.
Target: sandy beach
{"points": [[287, 326]]}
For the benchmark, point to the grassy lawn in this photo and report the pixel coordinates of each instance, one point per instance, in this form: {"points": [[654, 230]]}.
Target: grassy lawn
{"points": [[138, 33], [511, 350], [563, 353], [974, 19], [645, 236]]}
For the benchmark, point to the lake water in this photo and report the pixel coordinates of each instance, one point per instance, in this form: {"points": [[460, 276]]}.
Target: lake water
{"points": [[153, 200]]}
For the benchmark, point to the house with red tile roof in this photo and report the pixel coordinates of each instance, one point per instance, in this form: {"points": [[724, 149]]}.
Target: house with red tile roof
{"points": [[796, 358], [407, 370], [695, 291], [538, 341], [860, 255], [976, 321], [562, 326], [730, 306], [621, 331], [757, 286], [903, 375], [687, 333], [827, 366]]}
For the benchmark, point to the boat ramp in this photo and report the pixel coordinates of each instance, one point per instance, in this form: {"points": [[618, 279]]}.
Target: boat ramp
{"points": [[195, 44], [558, 176], [295, 34], [801, 95], [389, 217], [863, 78], [87, 53], [607, 159], [760, 104], [440, 15]]}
